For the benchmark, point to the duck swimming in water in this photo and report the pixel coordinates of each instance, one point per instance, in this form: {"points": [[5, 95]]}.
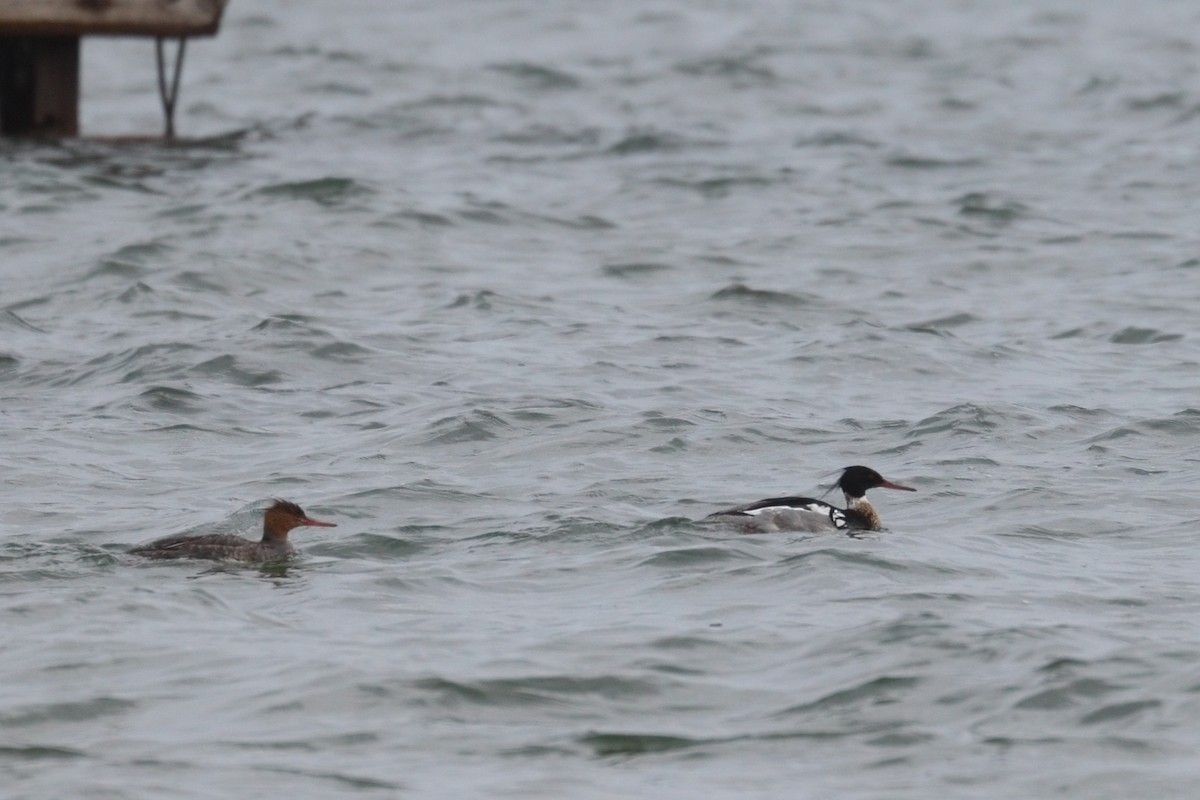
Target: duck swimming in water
{"points": [[278, 520], [806, 514]]}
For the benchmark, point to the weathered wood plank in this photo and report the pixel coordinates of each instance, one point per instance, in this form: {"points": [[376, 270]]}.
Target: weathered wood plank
{"points": [[39, 86], [110, 17]]}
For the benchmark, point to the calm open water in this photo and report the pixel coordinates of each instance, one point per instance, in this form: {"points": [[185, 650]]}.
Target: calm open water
{"points": [[515, 291]]}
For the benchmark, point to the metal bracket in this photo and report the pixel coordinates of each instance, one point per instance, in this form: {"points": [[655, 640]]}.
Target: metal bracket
{"points": [[169, 97]]}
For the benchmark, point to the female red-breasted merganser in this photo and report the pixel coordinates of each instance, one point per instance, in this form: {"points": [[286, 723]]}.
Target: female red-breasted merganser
{"points": [[280, 518], [806, 514]]}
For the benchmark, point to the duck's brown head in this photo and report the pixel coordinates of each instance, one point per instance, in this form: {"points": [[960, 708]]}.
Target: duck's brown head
{"points": [[282, 516]]}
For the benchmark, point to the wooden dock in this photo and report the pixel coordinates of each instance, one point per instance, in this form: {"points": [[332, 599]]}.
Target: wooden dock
{"points": [[39, 54]]}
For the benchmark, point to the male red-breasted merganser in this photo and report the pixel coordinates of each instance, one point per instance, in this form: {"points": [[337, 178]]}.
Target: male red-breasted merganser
{"points": [[280, 518], [806, 514]]}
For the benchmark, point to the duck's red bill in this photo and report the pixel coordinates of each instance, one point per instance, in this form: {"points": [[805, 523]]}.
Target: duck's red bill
{"points": [[315, 524], [890, 485]]}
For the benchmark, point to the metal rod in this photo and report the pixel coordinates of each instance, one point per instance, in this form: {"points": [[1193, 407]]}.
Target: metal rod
{"points": [[169, 96]]}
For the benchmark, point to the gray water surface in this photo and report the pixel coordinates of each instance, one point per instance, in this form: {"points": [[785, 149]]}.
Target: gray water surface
{"points": [[514, 292]]}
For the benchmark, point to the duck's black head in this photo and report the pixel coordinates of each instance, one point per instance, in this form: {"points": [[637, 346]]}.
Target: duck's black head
{"points": [[855, 482]]}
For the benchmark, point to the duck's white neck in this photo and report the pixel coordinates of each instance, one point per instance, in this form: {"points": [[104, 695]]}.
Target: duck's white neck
{"points": [[860, 505]]}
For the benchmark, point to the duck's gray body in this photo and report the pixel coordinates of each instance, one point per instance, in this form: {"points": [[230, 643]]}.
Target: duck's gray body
{"points": [[217, 547]]}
